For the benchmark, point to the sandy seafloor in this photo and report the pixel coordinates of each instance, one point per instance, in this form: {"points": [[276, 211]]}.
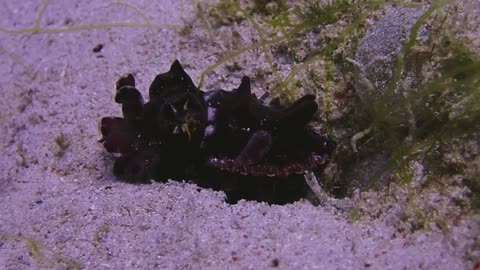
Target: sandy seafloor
{"points": [[63, 208]]}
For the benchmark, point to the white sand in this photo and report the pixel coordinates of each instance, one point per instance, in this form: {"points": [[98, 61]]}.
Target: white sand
{"points": [[69, 202]]}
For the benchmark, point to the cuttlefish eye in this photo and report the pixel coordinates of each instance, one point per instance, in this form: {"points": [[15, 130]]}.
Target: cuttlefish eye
{"points": [[182, 117], [184, 129]]}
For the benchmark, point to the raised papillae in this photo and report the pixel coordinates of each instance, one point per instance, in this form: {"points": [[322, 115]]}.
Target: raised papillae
{"points": [[228, 140]]}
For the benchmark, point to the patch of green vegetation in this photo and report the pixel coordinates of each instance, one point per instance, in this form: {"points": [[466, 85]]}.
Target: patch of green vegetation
{"points": [[354, 214], [292, 25], [43, 255], [323, 12], [224, 13], [268, 7], [406, 50], [436, 120]]}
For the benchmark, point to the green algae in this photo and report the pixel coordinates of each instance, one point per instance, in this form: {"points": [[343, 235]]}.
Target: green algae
{"points": [[44, 256]]}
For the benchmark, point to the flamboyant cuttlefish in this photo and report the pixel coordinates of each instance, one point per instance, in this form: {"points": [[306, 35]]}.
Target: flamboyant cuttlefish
{"points": [[228, 140]]}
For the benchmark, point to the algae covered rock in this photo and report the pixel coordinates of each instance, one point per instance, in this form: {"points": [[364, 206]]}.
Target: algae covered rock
{"points": [[378, 50]]}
